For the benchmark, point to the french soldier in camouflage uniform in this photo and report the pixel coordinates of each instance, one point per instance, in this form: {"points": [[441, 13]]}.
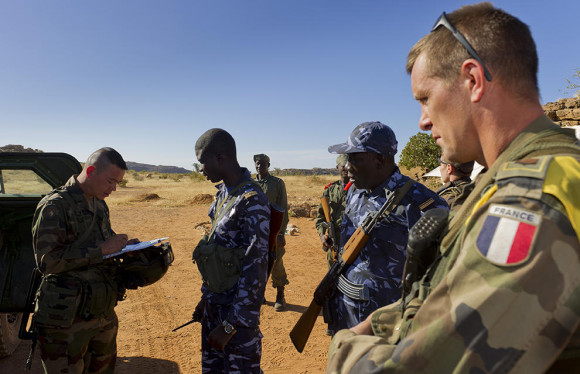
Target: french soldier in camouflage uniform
{"points": [[373, 280], [335, 193], [74, 314], [275, 189], [503, 294], [231, 337], [455, 178]]}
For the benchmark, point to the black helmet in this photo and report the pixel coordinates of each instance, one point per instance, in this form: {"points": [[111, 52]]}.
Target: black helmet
{"points": [[146, 266]]}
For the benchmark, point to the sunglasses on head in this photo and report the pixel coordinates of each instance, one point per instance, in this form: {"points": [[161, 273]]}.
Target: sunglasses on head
{"points": [[443, 21]]}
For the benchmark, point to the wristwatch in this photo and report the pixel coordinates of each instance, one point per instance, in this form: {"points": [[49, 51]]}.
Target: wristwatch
{"points": [[228, 328]]}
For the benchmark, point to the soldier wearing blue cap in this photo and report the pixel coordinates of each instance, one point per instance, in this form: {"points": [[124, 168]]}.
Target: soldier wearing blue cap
{"points": [[373, 280]]}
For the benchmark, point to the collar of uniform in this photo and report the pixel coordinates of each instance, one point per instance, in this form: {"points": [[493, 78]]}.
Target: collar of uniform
{"points": [[245, 176]]}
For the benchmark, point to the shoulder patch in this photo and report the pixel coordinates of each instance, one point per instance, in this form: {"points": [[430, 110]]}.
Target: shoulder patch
{"points": [[562, 181], [527, 168], [507, 234], [49, 212], [247, 195]]}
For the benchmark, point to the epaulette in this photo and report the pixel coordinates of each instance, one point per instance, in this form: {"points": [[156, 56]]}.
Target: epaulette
{"points": [[249, 194], [426, 203], [536, 168], [347, 187], [328, 185]]}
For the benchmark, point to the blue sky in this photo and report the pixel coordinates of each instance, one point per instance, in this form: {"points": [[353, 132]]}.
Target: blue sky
{"points": [[286, 78]]}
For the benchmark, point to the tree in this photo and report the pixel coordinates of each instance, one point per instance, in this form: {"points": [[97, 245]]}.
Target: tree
{"points": [[572, 85], [421, 151]]}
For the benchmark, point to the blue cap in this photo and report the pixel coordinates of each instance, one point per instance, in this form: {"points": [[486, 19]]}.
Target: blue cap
{"points": [[369, 137]]}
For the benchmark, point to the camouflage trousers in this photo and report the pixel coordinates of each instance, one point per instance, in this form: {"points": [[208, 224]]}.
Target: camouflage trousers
{"points": [[241, 355], [85, 347], [279, 277]]}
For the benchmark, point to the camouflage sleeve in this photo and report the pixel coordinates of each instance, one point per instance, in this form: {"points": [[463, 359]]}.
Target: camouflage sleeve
{"points": [[245, 310], [509, 303], [320, 218], [283, 203], [53, 249]]}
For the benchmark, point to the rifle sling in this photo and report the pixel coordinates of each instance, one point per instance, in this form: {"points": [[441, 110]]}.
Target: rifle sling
{"points": [[398, 196]]}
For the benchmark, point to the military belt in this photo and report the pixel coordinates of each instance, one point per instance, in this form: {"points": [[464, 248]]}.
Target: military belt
{"points": [[352, 290]]}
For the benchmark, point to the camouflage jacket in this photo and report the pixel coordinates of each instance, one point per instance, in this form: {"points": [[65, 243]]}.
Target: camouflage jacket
{"points": [[336, 195], [379, 265], [246, 224], [60, 221], [275, 189], [450, 191], [504, 293]]}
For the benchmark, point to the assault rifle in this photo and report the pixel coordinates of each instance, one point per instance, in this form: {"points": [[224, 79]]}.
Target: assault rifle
{"points": [[30, 334], [276, 219], [329, 226], [301, 331]]}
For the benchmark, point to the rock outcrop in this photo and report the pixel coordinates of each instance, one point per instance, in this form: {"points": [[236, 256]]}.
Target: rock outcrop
{"points": [[565, 112]]}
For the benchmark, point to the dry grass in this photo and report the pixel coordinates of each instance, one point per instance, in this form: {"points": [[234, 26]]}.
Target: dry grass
{"points": [[172, 192], [156, 189]]}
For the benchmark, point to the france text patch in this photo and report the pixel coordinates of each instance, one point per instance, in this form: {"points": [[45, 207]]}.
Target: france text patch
{"points": [[507, 234]]}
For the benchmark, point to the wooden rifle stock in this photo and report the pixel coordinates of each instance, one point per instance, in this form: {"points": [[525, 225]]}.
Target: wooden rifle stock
{"points": [[276, 219], [330, 226], [301, 331]]}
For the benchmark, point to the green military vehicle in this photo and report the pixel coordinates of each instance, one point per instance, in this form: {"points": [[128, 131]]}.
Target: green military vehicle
{"points": [[24, 179]]}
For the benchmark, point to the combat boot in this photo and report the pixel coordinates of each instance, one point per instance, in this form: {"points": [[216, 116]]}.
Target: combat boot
{"points": [[280, 302]]}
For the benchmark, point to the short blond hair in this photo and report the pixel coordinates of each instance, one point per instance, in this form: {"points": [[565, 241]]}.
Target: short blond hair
{"points": [[503, 42]]}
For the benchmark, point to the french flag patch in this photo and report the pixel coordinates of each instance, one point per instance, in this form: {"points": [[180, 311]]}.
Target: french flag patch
{"points": [[507, 234]]}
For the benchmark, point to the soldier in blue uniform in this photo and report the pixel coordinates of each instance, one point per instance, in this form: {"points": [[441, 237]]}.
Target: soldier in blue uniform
{"points": [[374, 279], [232, 295]]}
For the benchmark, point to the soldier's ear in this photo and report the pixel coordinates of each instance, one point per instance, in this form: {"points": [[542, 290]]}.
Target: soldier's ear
{"points": [[90, 171], [450, 169]]}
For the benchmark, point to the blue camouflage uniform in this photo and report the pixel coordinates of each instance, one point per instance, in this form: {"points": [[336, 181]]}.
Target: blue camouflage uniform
{"points": [[379, 266], [374, 278], [245, 224]]}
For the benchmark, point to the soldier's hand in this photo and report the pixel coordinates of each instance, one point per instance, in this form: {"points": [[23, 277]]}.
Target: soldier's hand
{"points": [[363, 328], [114, 244], [326, 242], [133, 241], [218, 338]]}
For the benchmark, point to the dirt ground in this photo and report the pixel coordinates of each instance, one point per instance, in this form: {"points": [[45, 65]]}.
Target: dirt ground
{"points": [[146, 344]]}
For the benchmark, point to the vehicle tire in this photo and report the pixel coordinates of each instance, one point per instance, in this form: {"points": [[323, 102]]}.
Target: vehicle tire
{"points": [[9, 326]]}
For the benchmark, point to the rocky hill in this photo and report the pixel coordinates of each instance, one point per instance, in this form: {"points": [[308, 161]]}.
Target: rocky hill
{"points": [[156, 168], [18, 148]]}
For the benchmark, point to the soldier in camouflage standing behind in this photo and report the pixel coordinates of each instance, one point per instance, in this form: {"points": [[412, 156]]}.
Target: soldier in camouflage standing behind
{"points": [[232, 259], [455, 177], [275, 189], [74, 315], [335, 193], [503, 293]]}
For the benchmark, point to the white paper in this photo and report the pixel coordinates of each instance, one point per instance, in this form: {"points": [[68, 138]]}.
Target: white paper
{"points": [[136, 247]]}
